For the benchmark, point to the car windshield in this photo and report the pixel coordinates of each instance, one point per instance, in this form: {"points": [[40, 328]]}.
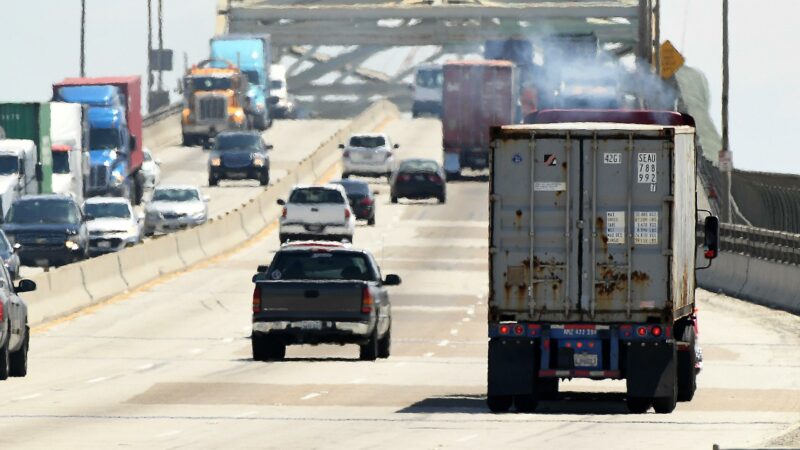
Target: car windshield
{"points": [[354, 187], [104, 138], [276, 84], [209, 83], [419, 166], [60, 162], [9, 165], [101, 210], [175, 195], [236, 141], [42, 212], [315, 195], [430, 78], [252, 76], [147, 156], [320, 265], [367, 141]]}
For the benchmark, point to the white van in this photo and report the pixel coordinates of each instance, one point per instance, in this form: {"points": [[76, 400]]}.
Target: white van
{"points": [[17, 171], [428, 81], [282, 106]]}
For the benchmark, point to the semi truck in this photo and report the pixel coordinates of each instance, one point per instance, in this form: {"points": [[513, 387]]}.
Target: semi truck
{"points": [[520, 52], [70, 135], [115, 132], [427, 90], [592, 258], [477, 95], [252, 54], [215, 99]]}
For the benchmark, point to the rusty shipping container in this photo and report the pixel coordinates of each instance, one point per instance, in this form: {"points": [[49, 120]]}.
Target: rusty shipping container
{"points": [[592, 250]]}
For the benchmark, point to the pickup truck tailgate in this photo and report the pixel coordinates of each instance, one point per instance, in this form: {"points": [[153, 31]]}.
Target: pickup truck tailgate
{"points": [[321, 213], [311, 299]]}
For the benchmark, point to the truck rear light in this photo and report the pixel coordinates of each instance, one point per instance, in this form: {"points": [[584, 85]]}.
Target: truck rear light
{"points": [[366, 201], [346, 213], [388, 155], [2, 313], [366, 301], [283, 214], [518, 329], [256, 300], [504, 329], [641, 331], [579, 344], [710, 254], [655, 330], [346, 154], [403, 177]]}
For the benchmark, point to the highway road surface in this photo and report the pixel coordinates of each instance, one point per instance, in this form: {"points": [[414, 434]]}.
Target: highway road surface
{"points": [[169, 365]]}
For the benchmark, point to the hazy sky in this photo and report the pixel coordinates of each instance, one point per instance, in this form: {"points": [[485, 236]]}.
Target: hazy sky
{"points": [[39, 45]]}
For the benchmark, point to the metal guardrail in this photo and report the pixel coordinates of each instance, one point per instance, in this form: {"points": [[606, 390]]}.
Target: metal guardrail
{"points": [[770, 245], [162, 113]]}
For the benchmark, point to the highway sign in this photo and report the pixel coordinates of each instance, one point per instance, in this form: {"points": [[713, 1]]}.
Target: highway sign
{"points": [[671, 60]]}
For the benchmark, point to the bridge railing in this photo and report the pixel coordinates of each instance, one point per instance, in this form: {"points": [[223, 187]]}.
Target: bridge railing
{"points": [[777, 246]]}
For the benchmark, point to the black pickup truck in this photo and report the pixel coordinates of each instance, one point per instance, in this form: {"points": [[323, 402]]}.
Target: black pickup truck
{"points": [[321, 293]]}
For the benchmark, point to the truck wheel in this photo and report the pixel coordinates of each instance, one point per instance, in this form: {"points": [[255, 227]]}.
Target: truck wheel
{"points": [[526, 403], [369, 351], [5, 360], [267, 349], [638, 405], [138, 188], [499, 403], [442, 198], [212, 181], [19, 359], [345, 175], [371, 220], [687, 375], [547, 388], [394, 199], [665, 405], [187, 140], [385, 344], [263, 180]]}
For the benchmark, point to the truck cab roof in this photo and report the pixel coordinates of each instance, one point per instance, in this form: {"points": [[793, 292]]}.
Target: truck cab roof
{"points": [[106, 117], [95, 95], [16, 146]]}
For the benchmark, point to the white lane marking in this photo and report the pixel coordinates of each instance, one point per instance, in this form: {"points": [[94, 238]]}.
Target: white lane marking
{"points": [[468, 438], [143, 367], [197, 351], [169, 433], [454, 332], [428, 355], [443, 343], [97, 380], [310, 396], [426, 308], [466, 319], [227, 340], [471, 311], [358, 381], [400, 364], [247, 328], [29, 397], [247, 414]]}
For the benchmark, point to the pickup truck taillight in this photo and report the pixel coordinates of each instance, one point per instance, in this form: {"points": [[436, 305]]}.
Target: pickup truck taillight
{"points": [[283, 214], [2, 313], [346, 154], [366, 201], [256, 300], [366, 300], [346, 213]]}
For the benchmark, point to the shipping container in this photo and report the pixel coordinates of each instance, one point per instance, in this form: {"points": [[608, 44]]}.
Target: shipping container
{"points": [[31, 121], [477, 95], [592, 250]]}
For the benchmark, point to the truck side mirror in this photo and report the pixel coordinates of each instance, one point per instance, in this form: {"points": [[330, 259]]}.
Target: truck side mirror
{"points": [[341, 146], [392, 280], [281, 202], [396, 145], [262, 268], [711, 237], [25, 286]]}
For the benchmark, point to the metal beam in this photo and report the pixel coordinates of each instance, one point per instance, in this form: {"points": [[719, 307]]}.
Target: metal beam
{"points": [[319, 69], [367, 75], [361, 90]]}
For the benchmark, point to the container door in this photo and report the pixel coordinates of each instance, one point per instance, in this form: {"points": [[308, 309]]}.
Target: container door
{"points": [[535, 258], [627, 205]]}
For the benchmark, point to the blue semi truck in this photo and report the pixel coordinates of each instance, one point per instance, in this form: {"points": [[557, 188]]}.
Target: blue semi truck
{"points": [[252, 54]]}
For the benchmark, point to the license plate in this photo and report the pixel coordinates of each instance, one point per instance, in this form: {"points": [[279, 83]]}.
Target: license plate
{"points": [[42, 262], [237, 174], [315, 228], [309, 325], [104, 244], [585, 360], [480, 161]]}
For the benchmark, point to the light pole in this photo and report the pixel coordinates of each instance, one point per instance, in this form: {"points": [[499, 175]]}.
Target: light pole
{"points": [[83, 38], [725, 155]]}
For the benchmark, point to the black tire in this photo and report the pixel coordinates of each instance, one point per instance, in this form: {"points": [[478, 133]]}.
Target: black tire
{"points": [[282, 238], [5, 359], [213, 181], [452, 176], [388, 176], [369, 351], [665, 405], [526, 403], [499, 403], [442, 198], [638, 405], [345, 175], [687, 375], [371, 221], [187, 140], [263, 180], [394, 199], [266, 348], [547, 388], [385, 344], [19, 359], [138, 187]]}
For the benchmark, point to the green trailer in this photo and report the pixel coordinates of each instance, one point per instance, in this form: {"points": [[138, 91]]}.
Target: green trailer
{"points": [[31, 121]]}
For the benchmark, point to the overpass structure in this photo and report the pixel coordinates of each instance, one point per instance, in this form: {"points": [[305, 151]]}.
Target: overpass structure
{"points": [[624, 27]]}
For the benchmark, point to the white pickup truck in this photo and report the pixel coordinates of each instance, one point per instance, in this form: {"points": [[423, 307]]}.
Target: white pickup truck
{"points": [[317, 212]]}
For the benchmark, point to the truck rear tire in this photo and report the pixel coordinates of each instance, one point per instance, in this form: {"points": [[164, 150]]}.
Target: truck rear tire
{"points": [[687, 374], [369, 351], [385, 344], [5, 359], [526, 403], [638, 405], [547, 388], [499, 403], [266, 348], [19, 359]]}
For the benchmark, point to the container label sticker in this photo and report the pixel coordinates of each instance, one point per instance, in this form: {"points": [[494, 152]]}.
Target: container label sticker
{"points": [[517, 158], [612, 158], [647, 168], [645, 230], [549, 186], [615, 227]]}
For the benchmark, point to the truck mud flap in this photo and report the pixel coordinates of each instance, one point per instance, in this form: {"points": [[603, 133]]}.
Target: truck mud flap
{"points": [[651, 370], [512, 366]]}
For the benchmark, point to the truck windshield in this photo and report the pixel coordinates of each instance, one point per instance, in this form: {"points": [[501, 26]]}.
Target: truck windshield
{"points": [[175, 195], [276, 84], [42, 212], [98, 210], [252, 76], [60, 162], [320, 265], [236, 141], [430, 78], [104, 138], [9, 165], [315, 195], [367, 141], [210, 83]]}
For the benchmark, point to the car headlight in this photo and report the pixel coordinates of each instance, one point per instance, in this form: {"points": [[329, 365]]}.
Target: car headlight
{"points": [[260, 105], [72, 245], [216, 162], [258, 161], [117, 178]]}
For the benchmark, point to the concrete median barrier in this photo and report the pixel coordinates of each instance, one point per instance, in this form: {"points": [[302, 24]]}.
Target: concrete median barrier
{"points": [[73, 287]]}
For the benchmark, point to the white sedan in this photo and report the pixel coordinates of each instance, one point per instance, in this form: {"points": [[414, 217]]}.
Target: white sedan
{"points": [[368, 155]]}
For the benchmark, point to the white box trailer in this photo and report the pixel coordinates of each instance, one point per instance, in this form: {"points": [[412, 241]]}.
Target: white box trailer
{"points": [[17, 171], [592, 261], [68, 134]]}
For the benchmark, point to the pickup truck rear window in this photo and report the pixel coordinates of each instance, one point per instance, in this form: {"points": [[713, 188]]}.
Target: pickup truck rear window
{"points": [[316, 195], [316, 265]]}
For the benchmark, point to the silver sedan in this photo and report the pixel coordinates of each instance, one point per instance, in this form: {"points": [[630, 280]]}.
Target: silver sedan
{"points": [[175, 207]]}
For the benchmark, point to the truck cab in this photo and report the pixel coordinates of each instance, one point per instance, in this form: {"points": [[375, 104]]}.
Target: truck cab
{"points": [[17, 170], [215, 99], [252, 55], [108, 156], [428, 81], [280, 103]]}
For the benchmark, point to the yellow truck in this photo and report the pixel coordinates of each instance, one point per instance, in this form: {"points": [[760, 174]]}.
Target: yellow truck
{"points": [[215, 100]]}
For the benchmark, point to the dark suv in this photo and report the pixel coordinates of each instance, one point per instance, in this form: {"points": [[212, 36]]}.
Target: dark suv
{"points": [[239, 155], [50, 230]]}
